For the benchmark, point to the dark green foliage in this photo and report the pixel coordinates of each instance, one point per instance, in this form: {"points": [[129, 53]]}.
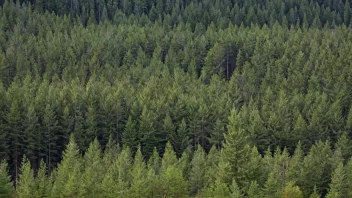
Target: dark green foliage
{"points": [[253, 97]]}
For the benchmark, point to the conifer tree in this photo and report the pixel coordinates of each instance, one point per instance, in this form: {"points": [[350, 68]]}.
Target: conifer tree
{"points": [[236, 192], [138, 174], [315, 194], [26, 183], [173, 183], [291, 191], [154, 162], [169, 157], [197, 172], [13, 130], [6, 188], [148, 131], [42, 181], [254, 190], [236, 149], [67, 179], [338, 182], [93, 171], [348, 181], [182, 137]]}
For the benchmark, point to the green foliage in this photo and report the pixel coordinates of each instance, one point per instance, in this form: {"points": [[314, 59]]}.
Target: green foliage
{"points": [[68, 176], [6, 188], [292, 191], [197, 172], [236, 149], [173, 183], [235, 77], [338, 182], [26, 184]]}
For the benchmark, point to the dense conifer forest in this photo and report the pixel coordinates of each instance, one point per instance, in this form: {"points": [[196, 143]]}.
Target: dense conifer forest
{"points": [[176, 98]]}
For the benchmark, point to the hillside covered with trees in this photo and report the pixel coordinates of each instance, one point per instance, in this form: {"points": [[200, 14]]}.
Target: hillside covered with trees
{"points": [[176, 98]]}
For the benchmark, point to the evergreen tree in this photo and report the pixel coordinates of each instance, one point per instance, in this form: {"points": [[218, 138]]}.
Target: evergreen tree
{"points": [[236, 149], [6, 188], [197, 172], [138, 174], [169, 157], [130, 135], [26, 183], [67, 179], [93, 171], [42, 181], [337, 185], [173, 183], [292, 191]]}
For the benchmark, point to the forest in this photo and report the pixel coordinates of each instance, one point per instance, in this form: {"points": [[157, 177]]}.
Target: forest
{"points": [[176, 98]]}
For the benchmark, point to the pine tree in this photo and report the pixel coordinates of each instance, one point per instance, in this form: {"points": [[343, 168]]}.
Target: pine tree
{"points": [[184, 162], [117, 177], [291, 191], [213, 158], [217, 134], [68, 176], [346, 13], [148, 132], [138, 174], [197, 173], [130, 135], [169, 129], [13, 130], [254, 190], [173, 183], [236, 149], [50, 136], [4, 147], [315, 194], [271, 187], [91, 126], [6, 189], [31, 142], [218, 189], [182, 137], [236, 192], [337, 185], [26, 184], [42, 181], [169, 157], [344, 144], [93, 171], [348, 171], [154, 162]]}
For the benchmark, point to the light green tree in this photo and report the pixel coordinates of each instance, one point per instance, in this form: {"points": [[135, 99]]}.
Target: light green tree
{"points": [[26, 183]]}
